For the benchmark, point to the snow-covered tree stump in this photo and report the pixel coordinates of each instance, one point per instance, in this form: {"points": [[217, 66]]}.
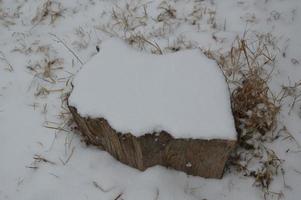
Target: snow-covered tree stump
{"points": [[145, 110]]}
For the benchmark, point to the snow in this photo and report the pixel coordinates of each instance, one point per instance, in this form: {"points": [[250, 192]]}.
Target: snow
{"points": [[183, 93], [23, 115]]}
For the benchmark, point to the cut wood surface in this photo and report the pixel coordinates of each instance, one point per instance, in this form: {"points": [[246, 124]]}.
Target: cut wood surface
{"points": [[196, 157]]}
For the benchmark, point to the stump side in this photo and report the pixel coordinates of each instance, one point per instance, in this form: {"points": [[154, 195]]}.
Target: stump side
{"points": [[205, 158]]}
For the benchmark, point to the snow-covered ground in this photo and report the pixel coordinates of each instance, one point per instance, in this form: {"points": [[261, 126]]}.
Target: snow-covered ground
{"points": [[44, 43]]}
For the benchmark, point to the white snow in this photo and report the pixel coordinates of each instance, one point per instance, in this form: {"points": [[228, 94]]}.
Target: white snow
{"points": [[23, 116], [183, 93]]}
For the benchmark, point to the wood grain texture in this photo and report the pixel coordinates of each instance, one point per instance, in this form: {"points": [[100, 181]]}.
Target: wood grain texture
{"points": [[205, 158]]}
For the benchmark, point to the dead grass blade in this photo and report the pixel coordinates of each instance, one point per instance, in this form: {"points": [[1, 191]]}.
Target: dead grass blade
{"points": [[69, 157], [39, 158], [57, 39], [4, 59], [99, 187]]}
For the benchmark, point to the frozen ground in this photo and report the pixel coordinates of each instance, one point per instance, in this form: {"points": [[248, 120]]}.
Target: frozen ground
{"points": [[40, 51]]}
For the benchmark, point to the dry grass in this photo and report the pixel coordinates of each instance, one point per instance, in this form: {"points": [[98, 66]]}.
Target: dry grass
{"points": [[48, 10], [248, 67], [39, 158], [47, 81], [180, 43], [59, 40], [167, 12], [253, 109], [293, 92], [9, 67], [45, 70], [130, 17], [101, 188], [69, 157], [141, 29], [140, 41], [8, 17]]}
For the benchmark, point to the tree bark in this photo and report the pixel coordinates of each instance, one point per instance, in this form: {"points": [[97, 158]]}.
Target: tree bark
{"points": [[205, 158]]}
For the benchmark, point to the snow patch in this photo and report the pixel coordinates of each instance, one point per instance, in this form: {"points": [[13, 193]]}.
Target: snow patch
{"points": [[183, 93]]}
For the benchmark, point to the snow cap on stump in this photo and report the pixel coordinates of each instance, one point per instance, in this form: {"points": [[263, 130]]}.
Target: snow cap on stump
{"points": [[145, 109]]}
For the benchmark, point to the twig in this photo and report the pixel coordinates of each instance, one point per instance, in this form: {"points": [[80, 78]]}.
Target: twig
{"points": [[99, 187], [32, 167], [243, 46], [39, 158], [284, 183], [289, 136], [69, 157], [65, 45], [10, 67], [56, 128], [118, 196], [56, 176]]}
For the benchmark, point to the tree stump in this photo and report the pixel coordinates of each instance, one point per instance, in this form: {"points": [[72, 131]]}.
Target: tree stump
{"points": [[205, 158], [172, 110]]}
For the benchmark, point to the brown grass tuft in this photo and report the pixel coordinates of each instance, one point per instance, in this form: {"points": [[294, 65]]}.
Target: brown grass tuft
{"points": [[248, 68], [49, 9], [253, 108]]}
